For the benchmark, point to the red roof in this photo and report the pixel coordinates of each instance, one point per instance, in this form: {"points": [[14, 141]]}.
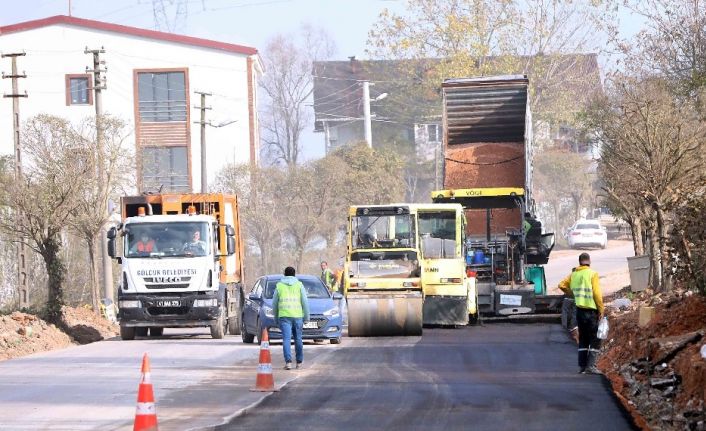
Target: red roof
{"points": [[123, 29]]}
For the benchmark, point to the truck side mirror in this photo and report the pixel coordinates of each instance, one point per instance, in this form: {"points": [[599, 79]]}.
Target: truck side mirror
{"points": [[229, 230], [112, 233], [111, 246], [230, 245]]}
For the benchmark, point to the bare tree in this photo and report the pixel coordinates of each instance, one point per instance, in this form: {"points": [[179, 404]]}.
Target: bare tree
{"points": [[653, 148], [91, 214], [672, 44], [47, 197], [259, 210], [287, 85]]}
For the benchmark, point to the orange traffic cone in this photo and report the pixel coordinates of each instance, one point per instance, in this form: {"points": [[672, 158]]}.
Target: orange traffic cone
{"points": [[265, 382], [145, 415]]}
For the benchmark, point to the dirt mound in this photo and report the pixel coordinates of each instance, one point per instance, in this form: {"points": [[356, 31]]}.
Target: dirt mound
{"points": [[657, 369], [85, 326], [23, 334]]}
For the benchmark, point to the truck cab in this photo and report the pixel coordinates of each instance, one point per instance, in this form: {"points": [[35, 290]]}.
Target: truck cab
{"points": [[174, 273]]}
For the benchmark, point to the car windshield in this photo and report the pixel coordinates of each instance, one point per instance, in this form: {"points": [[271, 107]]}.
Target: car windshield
{"points": [[156, 240], [383, 231], [314, 289], [587, 226]]}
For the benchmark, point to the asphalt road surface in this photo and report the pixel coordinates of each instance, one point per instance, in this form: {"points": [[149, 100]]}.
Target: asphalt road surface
{"points": [[496, 377], [198, 382]]}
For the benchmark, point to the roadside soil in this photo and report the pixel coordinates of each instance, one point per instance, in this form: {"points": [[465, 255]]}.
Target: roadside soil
{"points": [[23, 334], [656, 370]]}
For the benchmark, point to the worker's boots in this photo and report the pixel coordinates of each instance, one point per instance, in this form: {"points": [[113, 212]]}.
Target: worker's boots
{"points": [[592, 358]]}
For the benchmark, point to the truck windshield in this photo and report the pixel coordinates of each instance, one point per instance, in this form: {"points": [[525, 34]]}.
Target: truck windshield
{"points": [[384, 264], [438, 234], [383, 231], [182, 239]]}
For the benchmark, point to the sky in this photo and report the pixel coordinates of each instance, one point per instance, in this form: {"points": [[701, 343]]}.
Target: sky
{"points": [[245, 22]]}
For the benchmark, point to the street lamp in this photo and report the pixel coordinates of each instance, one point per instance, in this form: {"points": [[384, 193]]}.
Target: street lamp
{"points": [[366, 112]]}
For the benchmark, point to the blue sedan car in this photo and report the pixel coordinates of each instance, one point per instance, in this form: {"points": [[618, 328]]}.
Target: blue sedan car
{"points": [[324, 313]]}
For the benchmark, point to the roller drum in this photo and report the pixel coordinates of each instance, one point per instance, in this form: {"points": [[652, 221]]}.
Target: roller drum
{"points": [[384, 314]]}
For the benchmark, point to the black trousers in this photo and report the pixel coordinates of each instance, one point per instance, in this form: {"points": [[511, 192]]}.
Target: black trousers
{"points": [[589, 343]]}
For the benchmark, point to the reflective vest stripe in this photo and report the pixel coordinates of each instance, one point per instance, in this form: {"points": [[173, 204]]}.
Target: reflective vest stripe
{"points": [[290, 304], [582, 288]]}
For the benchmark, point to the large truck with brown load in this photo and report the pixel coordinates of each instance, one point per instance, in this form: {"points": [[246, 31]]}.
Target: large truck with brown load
{"points": [[181, 259], [488, 170]]}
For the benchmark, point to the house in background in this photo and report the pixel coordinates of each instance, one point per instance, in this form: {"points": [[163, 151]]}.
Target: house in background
{"points": [[151, 81], [412, 113]]}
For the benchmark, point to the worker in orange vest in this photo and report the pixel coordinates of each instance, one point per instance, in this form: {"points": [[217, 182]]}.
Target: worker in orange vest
{"points": [[145, 245]]}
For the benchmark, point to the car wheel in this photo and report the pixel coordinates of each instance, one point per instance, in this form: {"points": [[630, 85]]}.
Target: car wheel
{"points": [[141, 332], [335, 340], [259, 332], [127, 333], [247, 338], [156, 331]]}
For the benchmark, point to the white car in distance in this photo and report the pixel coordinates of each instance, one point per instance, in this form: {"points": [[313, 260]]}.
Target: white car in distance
{"points": [[587, 233]]}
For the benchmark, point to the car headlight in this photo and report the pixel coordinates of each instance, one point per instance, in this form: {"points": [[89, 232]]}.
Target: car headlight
{"points": [[213, 302], [269, 312], [129, 304], [332, 312]]}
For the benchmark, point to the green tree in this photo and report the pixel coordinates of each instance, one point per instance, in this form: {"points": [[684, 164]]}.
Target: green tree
{"points": [[476, 38], [47, 196]]}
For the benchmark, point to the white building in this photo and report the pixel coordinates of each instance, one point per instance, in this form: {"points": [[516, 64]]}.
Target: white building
{"points": [[151, 80]]}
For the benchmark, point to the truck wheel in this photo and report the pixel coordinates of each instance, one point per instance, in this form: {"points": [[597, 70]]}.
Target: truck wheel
{"points": [[141, 332], [218, 330], [127, 333], [335, 340], [156, 332], [234, 325]]}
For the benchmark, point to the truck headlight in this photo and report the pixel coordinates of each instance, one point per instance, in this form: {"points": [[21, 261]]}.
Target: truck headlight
{"points": [[269, 312], [129, 304], [213, 302], [332, 312]]}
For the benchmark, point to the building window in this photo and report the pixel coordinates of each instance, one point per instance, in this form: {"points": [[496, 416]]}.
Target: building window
{"points": [[78, 91], [165, 169], [434, 132], [161, 96]]}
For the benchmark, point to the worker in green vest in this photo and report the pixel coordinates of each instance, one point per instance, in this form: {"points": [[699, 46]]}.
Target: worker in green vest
{"points": [[291, 309], [583, 285], [328, 277]]}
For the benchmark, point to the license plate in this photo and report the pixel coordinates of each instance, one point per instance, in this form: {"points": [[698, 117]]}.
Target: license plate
{"points": [[311, 325], [169, 303]]}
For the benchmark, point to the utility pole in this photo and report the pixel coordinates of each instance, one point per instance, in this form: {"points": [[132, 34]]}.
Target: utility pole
{"points": [[367, 120], [203, 123], [22, 283], [100, 84]]}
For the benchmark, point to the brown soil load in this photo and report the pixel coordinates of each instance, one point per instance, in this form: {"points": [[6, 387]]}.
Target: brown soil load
{"points": [[23, 334], [657, 370], [501, 220], [85, 326], [480, 165]]}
